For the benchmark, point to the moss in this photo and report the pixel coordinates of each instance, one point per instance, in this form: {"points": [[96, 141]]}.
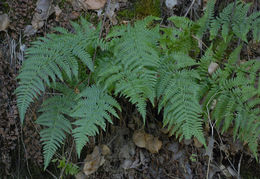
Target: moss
{"points": [[140, 9], [126, 14], [145, 8]]}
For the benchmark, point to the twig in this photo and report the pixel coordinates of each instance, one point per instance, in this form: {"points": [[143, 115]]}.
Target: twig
{"points": [[25, 153], [212, 130], [221, 141], [51, 174], [239, 166], [189, 8]]}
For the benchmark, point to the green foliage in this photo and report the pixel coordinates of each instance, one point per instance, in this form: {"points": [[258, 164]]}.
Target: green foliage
{"points": [[180, 38], [49, 57], [237, 99], [56, 124], [69, 168], [132, 72], [178, 89], [234, 19], [144, 64], [91, 111], [140, 9], [145, 8], [59, 57]]}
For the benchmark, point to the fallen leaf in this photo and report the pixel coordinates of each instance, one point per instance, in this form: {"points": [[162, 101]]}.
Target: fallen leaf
{"points": [[93, 161], [58, 11], [197, 143], [95, 4], [212, 68], [80, 175], [148, 141], [4, 22], [153, 144], [139, 139], [74, 15], [88, 4], [105, 150]]}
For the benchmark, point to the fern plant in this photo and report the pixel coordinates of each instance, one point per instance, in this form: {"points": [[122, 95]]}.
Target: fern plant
{"points": [[236, 97], [90, 109], [53, 55], [55, 62], [145, 63]]}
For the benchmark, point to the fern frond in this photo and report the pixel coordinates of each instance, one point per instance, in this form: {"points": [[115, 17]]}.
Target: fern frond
{"points": [[92, 111], [178, 92], [182, 111], [255, 25], [180, 37], [133, 71], [205, 21], [49, 57], [55, 123], [233, 18]]}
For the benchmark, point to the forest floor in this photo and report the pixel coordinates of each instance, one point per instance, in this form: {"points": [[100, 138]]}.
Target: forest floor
{"points": [[115, 154]]}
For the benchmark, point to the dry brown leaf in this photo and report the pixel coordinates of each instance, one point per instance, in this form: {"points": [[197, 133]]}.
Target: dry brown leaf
{"points": [[148, 141], [80, 175], [197, 143], [139, 139], [95, 4], [105, 150], [153, 144], [93, 161], [164, 130], [88, 4], [58, 11], [4, 22]]}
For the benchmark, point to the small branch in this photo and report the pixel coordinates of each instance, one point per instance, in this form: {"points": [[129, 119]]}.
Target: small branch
{"points": [[189, 8], [239, 166], [212, 130], [51, 174], [25, 152]]}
